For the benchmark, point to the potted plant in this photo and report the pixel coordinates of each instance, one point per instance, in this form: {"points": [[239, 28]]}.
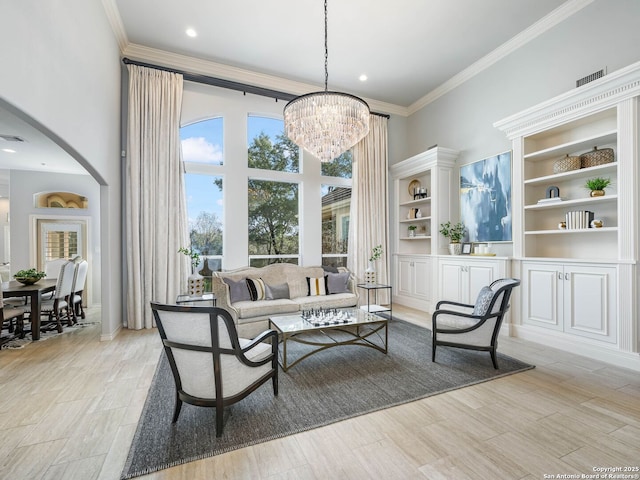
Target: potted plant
{"points": [[29, 276], [454, 233], [370, 272], [597, 186], [195, 280], [412, 230]]}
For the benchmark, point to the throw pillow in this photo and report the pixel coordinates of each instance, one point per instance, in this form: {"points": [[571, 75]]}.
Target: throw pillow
{"points": [[316, 286], [482, 303], [238, 291], [256, 288], [274, 292], [337, 282]]}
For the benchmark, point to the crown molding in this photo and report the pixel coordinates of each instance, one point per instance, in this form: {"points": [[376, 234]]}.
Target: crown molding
{"points": [[113, 15], [236, 74], [557, 16]]}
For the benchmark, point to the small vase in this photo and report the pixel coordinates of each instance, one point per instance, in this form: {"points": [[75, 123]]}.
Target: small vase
{"points": [[196, 284], [455, 248], [597, 193], [370, 274], [412, 233]]}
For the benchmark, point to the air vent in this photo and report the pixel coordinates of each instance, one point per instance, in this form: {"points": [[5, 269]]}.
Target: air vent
{"points": [[11, 138], [592, 77]]}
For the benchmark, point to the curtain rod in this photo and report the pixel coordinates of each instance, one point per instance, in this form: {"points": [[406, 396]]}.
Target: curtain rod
{"points": [[219, 82]]}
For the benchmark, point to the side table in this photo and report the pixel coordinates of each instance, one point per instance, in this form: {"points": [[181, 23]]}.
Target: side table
{"points": [[206, 300], [375, 307]]}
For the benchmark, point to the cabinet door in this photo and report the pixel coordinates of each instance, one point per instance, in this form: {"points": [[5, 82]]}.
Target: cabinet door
{"points": [[422, 273], [405, 280], [590, 301], [542, 295], [479, 275], [452, 286]]}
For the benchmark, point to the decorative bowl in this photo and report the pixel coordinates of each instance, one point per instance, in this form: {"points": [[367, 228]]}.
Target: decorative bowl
{"points": [[28, 280]]}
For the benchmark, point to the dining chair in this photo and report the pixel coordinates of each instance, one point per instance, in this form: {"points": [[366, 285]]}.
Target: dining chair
{"points": [[77, 289], [10, 313], [52, 307], [211, 366]]}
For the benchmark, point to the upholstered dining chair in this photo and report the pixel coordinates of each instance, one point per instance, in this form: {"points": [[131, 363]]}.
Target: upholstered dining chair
{"points": [[77, 288], [53, 307], [9, 313], [473, 327], [211, 366]]}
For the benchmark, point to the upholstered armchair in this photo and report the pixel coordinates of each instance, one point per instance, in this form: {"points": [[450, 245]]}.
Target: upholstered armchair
{"points": [[9, 313], [54, 306], [473, 327], [211, 366]]}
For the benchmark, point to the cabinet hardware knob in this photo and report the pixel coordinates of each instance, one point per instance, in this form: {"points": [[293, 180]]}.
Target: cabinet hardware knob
{"points": [[566, 276], [559, 275]]}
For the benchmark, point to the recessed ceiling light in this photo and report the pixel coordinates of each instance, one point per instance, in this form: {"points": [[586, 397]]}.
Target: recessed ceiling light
{"points": [[191, 32], [8, 150], [363, 78]]}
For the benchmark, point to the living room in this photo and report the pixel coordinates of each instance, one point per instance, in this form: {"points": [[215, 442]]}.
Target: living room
{"points": [[80, 104]]}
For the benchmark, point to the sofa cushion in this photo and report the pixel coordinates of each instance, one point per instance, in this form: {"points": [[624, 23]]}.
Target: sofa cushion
{"points": [[317, 286], [238, 290], [275, 292], [339, 300], [262, 308], [337, 282], [256, 288]]}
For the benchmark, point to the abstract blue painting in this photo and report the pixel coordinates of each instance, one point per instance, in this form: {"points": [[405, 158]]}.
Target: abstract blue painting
{"points": [[485, 199]]}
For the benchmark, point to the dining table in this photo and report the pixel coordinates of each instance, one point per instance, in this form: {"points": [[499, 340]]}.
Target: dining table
{"points": [[34, 292]]}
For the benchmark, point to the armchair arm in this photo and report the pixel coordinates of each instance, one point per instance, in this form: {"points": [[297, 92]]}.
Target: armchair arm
{"points": [[481, 320], [447, 302], [256, 341]]}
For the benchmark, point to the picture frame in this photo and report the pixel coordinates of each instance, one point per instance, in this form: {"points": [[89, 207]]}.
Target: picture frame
{"points": [[485, 199], [466, 248]]}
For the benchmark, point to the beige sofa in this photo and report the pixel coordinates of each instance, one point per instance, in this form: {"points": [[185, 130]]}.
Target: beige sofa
{"points": [[251, 316]]}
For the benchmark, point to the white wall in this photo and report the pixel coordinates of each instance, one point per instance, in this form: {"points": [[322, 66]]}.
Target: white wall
{"points": [[61, 69], [23, 186], [603, 34]]}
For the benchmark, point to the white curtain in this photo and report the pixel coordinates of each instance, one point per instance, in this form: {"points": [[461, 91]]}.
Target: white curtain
{"points": [[155, 209], [369, 224]]}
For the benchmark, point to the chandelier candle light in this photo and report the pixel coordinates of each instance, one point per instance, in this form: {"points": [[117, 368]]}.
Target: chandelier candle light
{"points": [[326, 123]]}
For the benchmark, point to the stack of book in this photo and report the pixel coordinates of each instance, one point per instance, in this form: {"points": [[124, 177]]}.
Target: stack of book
{"points": [[578, 219]]}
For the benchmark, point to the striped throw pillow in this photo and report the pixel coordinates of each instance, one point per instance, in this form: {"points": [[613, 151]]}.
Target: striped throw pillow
{"points": [[256, 288], [317, 286]]}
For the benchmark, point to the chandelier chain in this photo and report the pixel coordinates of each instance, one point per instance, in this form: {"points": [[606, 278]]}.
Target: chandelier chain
{"points": [[326, 50]]}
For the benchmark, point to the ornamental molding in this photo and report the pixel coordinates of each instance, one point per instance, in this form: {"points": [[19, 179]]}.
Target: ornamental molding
{"points": [[598, 95]]}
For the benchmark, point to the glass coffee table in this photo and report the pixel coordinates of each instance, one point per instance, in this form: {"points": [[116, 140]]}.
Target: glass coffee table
{"points": [[327, 328]]}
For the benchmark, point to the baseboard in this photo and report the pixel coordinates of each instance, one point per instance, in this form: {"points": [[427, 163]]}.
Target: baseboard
{"points": [[106, 337], [422, 305], [578, 346]]}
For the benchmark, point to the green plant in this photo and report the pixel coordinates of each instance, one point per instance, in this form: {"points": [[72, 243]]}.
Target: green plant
{"points": [[30, 273], [376, 253], [192, 254], [453, 232], [412, 227], [598, 183]]}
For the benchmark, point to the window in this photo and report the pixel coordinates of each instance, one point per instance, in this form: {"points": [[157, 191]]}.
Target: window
{"points": [[336, 208], [273, 222], [202, 142], [339, 166], [269, 148]]}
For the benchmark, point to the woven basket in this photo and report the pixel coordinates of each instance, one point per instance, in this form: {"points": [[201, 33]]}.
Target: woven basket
{"points": [[596, 157], [566, 164]]}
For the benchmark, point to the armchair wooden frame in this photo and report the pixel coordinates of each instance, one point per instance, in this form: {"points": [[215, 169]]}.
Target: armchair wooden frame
{"points": [[216, 352], [443, 333]]}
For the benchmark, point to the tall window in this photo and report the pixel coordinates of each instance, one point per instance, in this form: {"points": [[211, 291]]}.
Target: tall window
{"points": [[336, 210], [339, 166], [202, 144]]}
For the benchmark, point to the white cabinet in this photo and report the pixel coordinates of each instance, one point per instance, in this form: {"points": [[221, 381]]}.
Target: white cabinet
{"points": [[460, 278], [413, 281], [573, 298]]}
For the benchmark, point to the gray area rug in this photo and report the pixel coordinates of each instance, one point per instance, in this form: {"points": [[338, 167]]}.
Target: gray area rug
{"points": [[334, 385]]}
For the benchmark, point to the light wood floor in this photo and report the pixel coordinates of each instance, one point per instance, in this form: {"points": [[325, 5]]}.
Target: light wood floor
{"points": [[69, 407]]}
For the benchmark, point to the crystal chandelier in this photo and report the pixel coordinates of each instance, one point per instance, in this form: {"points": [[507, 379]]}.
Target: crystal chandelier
{"points": [[326, 123]]}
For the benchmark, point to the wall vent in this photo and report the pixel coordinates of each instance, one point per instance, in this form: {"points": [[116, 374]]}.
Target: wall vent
{"points": [[591, 77], [11, 138]]}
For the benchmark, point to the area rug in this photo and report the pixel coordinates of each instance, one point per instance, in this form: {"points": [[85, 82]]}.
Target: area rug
{"points": [[333, 385], [16, 343]]}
